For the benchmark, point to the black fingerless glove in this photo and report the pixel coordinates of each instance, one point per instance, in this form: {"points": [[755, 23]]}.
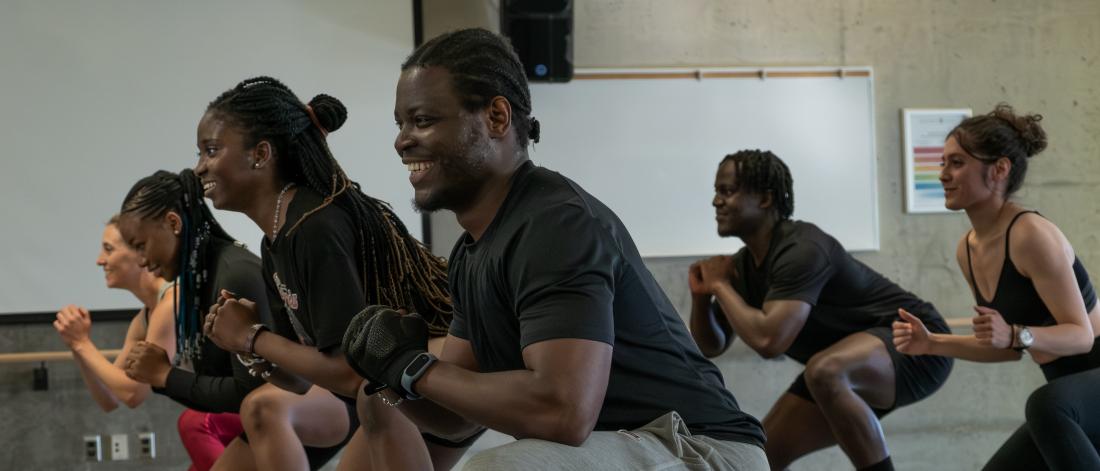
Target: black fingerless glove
{"points": [[380, 343]]}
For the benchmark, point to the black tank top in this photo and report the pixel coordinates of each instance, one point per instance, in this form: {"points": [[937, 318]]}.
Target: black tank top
{"points": [[1019, 303]]}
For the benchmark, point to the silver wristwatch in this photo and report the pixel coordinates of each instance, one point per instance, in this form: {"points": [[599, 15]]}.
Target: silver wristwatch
{"points": [[1024, 338]]}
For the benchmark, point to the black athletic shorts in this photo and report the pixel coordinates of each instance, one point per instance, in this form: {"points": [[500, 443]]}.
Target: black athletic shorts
{"points": [[915, 376]]}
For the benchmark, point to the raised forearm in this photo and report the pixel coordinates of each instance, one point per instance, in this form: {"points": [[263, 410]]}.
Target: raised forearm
{"points": [[436, 419], [967, 347], [1062, 339], [705, 327], [749, 322], [100, 393], [519, 403], [329, 371], [211, 393], [121, 386]]}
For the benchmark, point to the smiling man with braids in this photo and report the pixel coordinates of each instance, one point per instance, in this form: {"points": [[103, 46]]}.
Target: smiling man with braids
{"points": [[793, 289], [328, 252], [561, 336], [165, 220]]}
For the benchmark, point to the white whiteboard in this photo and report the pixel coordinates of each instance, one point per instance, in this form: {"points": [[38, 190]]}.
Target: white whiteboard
{"points": [[98, 94], [649, 148]]}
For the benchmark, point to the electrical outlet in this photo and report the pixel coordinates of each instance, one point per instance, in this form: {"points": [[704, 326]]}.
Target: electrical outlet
{"points": [[93, 448], [148, 443], [120, 447]]}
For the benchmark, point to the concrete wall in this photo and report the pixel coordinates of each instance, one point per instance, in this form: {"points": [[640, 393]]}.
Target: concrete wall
{"points": [[1040, 56], [44, 430]]}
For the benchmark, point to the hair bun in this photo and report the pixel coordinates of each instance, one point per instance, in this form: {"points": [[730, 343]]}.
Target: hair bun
{"points": [[1033, 137], [330, 112]]}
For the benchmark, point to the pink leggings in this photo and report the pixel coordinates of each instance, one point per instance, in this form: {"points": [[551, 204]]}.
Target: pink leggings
{"points": [[205, 435]]}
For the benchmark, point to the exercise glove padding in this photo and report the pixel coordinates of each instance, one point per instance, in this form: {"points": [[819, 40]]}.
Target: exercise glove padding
{"points": [[380, 343]]}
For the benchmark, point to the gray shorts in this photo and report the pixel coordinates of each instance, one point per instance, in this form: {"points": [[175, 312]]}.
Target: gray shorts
{"points": [[663, 444]]}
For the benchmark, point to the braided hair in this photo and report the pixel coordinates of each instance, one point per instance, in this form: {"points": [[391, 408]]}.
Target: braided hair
{"points": [[761, 171], [483, 65], [1003, 133], [153, 197], [396, 269]]}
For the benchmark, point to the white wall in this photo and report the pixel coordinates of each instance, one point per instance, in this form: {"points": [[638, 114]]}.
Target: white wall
{"points": [[96, 95]]}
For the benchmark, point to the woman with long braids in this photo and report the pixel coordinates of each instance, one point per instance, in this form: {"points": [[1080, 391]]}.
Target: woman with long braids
{"points": [[329, 251], [166, 222]]}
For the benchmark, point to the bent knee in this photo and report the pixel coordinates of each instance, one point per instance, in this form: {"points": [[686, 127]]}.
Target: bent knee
{"points": [[191, 421], [373, 414], [1046, 402], [261, 409], [826, 373]]}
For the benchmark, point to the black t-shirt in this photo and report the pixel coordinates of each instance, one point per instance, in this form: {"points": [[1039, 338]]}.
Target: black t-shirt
{"points": [[219, 382], [806, 264], [312, 273], [556, 263]]}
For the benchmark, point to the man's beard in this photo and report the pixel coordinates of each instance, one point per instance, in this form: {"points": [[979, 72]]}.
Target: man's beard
{"points": [[462, 173]]}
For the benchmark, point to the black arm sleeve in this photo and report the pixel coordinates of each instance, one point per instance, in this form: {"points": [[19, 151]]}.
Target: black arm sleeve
{"points": [[221, 382], [211, 393]]}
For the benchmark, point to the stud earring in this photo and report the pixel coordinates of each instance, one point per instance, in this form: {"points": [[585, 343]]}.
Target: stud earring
{"points": [[256, 165]]}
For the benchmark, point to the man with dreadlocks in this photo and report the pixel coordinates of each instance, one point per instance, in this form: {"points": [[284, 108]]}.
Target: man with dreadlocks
{"points": [[328, 252], [561, 337], [793, 289], [164, 220]]}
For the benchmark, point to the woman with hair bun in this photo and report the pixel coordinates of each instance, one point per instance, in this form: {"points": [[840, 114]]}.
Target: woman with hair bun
{"points": [[328, 251], [1033, 294]]}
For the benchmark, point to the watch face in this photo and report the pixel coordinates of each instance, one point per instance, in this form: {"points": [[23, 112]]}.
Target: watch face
{"points": [[1025, 337]]}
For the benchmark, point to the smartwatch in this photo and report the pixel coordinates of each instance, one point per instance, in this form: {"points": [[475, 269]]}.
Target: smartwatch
{"points": [[1024, 338], [417, 367]]}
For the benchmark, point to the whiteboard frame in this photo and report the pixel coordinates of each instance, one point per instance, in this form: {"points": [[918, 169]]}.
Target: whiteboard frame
{"points": [[871, 239]]}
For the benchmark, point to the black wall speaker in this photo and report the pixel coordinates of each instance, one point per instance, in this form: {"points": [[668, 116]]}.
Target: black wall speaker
{"points": [[541, 32]]}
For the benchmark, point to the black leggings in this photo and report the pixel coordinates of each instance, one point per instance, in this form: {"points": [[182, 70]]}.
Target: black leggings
{"points": [[1062, 431]]}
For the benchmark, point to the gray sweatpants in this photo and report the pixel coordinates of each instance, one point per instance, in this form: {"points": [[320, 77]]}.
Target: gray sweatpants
{"points": [[663, 444]]}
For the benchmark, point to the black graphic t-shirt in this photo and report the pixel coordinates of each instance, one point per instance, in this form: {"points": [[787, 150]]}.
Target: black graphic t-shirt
{"points": [[312, 273]]}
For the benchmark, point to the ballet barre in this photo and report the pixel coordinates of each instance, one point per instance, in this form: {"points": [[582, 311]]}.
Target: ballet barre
{"points": [[32, 357]]}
